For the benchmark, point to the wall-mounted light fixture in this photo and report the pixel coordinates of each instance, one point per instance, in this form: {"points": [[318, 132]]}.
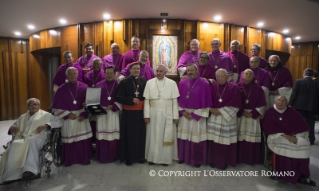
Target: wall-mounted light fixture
{"points": [[164, 21]]}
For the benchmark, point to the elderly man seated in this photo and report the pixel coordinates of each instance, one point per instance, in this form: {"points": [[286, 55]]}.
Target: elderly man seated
{"points": [[288, 138], [21, 159]]}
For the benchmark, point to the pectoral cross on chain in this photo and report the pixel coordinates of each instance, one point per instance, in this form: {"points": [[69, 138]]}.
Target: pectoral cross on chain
{"points": [[136, 93]]}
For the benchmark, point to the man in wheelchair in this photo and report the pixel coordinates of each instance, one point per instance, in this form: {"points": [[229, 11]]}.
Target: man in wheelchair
{"points": [[21, 159], [288, 139]]}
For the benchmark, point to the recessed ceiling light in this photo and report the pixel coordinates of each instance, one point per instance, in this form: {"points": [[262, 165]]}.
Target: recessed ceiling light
{"points": [[285, 31], [292, 47], [217, 18], [17, 33], [107, 16], [36, 36], [297, 37], [30, 26], [260, 24], [62, 21]]}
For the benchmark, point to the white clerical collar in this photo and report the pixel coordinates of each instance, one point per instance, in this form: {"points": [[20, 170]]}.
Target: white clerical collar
{"points": [[161, 79], [279, 111]]}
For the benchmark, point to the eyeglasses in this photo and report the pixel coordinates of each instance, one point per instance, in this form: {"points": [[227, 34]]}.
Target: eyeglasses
{"points": [[203, 58], [33, 105], [281, 101]]}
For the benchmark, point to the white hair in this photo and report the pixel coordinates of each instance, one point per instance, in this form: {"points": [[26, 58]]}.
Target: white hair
{"points": [[197, 41], [98, 60], [277, 97], [274, 56], [235, 41], [115, 44], [250, 71], [257, 45], [216, 39], [142, 51], [33, 99], [221, 69], [165, 67], [71, 68]]}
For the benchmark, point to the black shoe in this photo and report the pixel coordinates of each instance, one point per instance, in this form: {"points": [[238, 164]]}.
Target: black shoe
{"points": [[180, 161], [212, 165], [30, 176], [151, 163], [306, 181], [164, 164], [197, 165], [273, 177], [128, 163], [141, 161], [27, 174]]}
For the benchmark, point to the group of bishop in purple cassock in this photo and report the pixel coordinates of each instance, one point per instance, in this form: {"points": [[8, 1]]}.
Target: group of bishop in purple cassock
{"points": [[220, 140]]}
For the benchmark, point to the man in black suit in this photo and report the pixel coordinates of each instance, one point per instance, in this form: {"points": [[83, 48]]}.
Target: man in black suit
{"points": [[304, 99]]}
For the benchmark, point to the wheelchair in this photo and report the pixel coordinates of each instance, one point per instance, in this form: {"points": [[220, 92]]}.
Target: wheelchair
{"points": [[49, 153], [52, 146], [268, 156]]}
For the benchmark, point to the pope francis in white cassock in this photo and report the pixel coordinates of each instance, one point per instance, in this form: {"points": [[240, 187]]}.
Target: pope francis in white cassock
{"points": [[21, 159], [161, 115]]}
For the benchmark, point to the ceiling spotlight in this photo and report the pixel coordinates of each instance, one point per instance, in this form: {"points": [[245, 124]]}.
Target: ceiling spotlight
{"points": [[36, 36], [17, 33], [217, 18], [62, 21], [164, 20], [107, 16], [260, 24], [297, 38], [30, 26], [285, 31], [292, 47]]}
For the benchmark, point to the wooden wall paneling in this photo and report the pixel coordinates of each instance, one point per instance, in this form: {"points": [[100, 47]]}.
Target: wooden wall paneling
{"points": [[43, 39], [190, 32], [54, 38], [108, 36], [69, 41], [209, 31], [118, 36], [98, 39], [34, 42], [227, 36], [256, 36], [144, 25], [86, 35], [22, 81], [278, 42], [14, 84], [8, 114], [4, 48]]}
